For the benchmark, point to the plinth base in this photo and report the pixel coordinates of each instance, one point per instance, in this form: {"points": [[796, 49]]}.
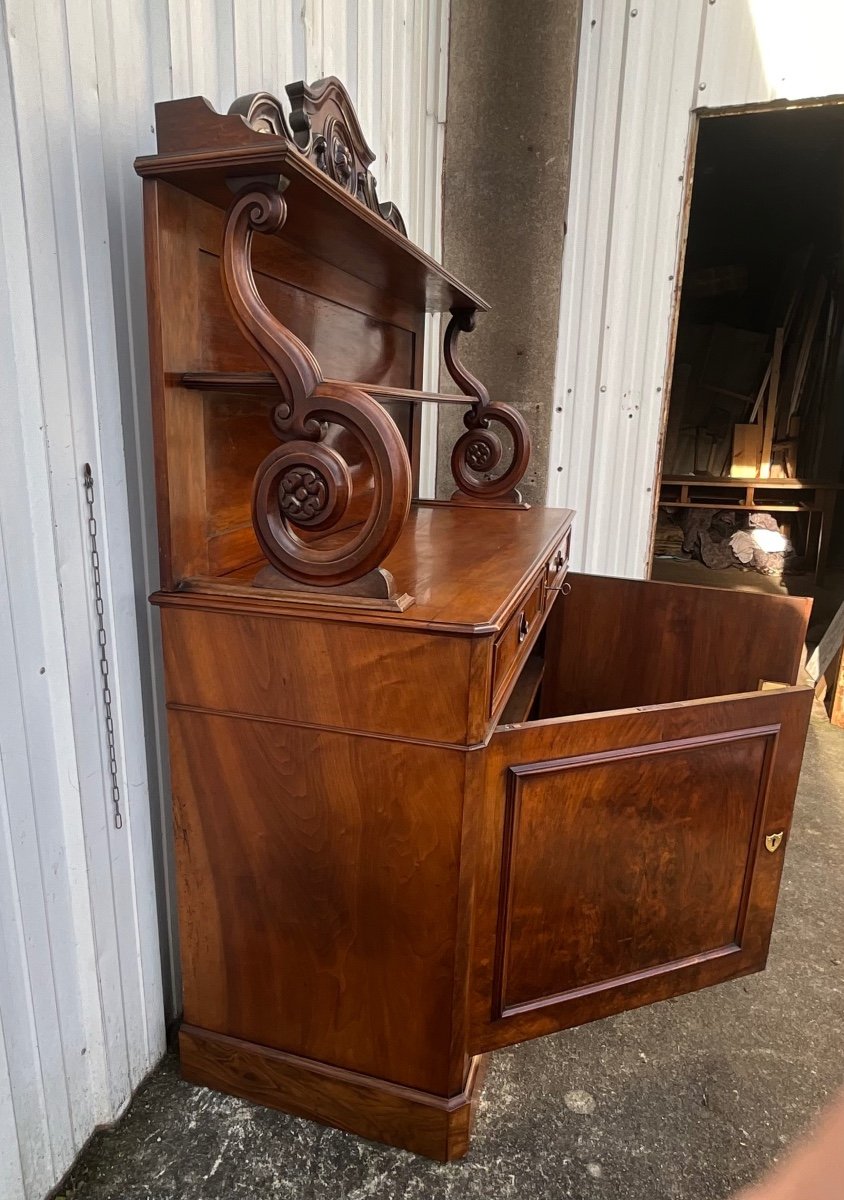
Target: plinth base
{"points": [[435, 1126]]}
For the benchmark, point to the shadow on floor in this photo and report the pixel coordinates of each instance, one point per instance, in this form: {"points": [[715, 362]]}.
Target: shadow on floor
{"points": [[688, 1099]]}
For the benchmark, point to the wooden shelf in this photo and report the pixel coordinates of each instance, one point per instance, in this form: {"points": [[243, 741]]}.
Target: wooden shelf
{"points": [[724, 481], [323, 219], [726, 503], [263, 382]]}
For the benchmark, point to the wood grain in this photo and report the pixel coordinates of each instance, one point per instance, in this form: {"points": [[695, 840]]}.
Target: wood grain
{"points": [[325, 220], [466, 567], [435, 1126], [270, 666], [317, 884], [621, 857], [620, 643], [376, 885]]}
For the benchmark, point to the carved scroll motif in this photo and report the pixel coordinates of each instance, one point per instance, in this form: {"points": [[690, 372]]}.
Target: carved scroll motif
{"points": [[306, 484], [264, 113], [325, 129], [479, 450]]}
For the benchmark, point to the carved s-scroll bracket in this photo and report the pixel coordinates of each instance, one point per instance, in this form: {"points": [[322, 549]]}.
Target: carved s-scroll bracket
{"points": [[305, 487], [479, 450]]}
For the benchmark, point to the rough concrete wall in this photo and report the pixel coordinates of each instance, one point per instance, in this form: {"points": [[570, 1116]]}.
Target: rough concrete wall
{"points": [[510, 98]]}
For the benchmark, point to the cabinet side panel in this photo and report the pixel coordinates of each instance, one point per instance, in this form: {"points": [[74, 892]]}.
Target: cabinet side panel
{"points": [[356, 677], [318, 877]]}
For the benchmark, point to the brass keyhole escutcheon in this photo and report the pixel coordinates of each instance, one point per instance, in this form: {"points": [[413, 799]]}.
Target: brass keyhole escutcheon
{"points": [[773, 841]]}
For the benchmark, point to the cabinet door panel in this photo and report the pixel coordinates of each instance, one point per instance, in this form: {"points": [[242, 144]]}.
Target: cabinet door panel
{"points": [[623, 857], [613, 643]]}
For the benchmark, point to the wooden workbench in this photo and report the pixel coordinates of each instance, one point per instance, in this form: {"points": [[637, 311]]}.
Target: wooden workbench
{"points": [[760, 495]]}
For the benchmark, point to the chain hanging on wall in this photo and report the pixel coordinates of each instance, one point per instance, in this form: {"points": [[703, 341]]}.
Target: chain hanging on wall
{"points": [[88, 482]]}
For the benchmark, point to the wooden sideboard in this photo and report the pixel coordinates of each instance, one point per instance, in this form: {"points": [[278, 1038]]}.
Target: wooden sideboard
{"points": [[433, 794]]}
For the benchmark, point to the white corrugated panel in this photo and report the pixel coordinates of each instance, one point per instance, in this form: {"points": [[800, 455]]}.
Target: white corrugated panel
{"points": [[81, 999], [643, 69]]}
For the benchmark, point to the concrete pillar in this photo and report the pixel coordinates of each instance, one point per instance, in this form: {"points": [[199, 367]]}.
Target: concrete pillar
{"points": [[512, 67]]}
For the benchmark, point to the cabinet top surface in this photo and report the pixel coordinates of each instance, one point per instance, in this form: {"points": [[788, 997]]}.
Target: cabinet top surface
{"points": [[464, 565]]}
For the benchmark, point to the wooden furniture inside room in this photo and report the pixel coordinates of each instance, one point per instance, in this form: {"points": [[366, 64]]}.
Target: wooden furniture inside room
{"points": [[432, 793], [788, 496]]}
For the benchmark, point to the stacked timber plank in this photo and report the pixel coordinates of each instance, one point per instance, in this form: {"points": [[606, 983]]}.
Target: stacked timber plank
{"points": [[755, 404]]}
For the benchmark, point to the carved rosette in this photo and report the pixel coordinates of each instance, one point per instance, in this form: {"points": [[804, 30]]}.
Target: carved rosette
{"points": [[305, 484], [479, 450]]}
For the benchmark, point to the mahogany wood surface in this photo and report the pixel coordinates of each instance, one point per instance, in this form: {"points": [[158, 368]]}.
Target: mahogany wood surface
{"points": [[286, 669], [622, 857], [359, 333], [306, 484], [250, 382], [325, 220], [376, 883], [466, 567], [480, 449], [437, 1127], [317, 882], [665, 641]]}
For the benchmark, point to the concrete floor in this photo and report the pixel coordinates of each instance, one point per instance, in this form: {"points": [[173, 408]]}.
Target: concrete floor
{"points": [[687, 1099]]}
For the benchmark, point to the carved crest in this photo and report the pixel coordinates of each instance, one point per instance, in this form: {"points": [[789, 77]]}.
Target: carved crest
{"points": [[324, 127]]}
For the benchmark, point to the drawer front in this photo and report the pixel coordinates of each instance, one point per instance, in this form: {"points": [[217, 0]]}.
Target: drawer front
{"points": [[557, 569], [514, 641]]}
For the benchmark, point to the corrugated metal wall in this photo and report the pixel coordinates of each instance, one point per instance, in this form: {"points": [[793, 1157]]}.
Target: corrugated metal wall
{"points": [[81, 996], [644, 66]]}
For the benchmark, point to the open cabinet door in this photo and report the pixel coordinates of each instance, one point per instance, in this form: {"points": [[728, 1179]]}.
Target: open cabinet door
{"points": [[630, 855]]}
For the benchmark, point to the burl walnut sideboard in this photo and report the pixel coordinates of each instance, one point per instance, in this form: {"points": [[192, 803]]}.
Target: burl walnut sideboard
{"points": [[433, 794]]}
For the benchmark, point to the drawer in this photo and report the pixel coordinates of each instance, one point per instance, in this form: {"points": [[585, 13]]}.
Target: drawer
{"points": [[558, 565], [513, 643]]}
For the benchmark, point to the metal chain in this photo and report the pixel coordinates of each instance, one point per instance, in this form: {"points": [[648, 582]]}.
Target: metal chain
{"points": [[88, 480]]}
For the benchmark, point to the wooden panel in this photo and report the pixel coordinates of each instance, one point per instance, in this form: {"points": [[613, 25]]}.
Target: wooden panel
{"points": [[348, 343], [619, 643], [318, 875], [747, 449], [208, 446], [650, 849], [436, 1127], [622, 857], [345, 676], [236, 437]]}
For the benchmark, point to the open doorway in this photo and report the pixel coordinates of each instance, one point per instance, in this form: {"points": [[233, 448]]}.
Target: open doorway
{"points": [[753, 458]]}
